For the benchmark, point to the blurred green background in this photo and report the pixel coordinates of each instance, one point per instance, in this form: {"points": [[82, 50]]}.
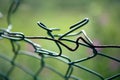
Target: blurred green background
{"points": [[103, 28]]}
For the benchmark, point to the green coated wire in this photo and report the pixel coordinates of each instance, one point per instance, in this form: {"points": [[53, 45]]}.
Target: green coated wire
{"points": [[42, 53]]}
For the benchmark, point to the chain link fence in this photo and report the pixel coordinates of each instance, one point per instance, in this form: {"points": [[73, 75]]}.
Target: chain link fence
{"points": [[14, 66]]}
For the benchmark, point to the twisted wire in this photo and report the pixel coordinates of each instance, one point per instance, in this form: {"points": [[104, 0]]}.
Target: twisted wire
{"points": [[41, 53]]}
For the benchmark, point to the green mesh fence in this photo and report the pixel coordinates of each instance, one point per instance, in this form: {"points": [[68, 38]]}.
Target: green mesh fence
{"points": [[48, 64]]}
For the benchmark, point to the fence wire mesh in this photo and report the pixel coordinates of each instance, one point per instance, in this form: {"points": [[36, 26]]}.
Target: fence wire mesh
{"points": [[42, 56]]}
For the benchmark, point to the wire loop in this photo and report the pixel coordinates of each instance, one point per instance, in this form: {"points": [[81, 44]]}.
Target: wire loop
{"points": [[41, 53]]}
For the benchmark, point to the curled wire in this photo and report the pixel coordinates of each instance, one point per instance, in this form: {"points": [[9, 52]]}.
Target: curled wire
{"points": [[49, 32], [75, 27], [15, 37]]}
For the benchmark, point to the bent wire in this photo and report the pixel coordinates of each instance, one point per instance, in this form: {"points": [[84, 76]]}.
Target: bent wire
{"points": [[16, 37]]}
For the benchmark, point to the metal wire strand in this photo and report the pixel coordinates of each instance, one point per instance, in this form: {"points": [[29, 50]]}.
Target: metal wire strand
{"points": [[49, 32], [41, 53], [13, 7], [75, 27]]}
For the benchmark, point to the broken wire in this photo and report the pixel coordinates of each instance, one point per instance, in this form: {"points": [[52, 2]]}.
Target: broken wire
{"points": [[16, 37]]}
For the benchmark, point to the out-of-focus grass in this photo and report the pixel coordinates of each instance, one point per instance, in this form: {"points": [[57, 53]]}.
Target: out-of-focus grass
{"points": [[103, 27]]}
